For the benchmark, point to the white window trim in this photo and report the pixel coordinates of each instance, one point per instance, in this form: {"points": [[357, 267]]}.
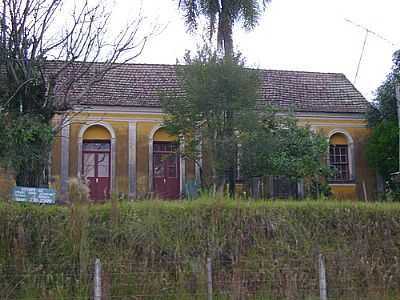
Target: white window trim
{"points": [[350, 150]]}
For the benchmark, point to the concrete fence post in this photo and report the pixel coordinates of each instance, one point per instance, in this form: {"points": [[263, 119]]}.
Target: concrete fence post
{"points": [[97, 279], [209, 279], [322, 278]]}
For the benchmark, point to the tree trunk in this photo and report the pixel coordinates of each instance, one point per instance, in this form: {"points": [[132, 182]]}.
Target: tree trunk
{"points": [[228, 41], [225, 31], [397, 93], [225, 37], [217, 178], [232, 161]]}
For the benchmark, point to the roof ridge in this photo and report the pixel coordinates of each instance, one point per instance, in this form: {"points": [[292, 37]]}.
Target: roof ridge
{"points": [[173, 65], [302, 71]]}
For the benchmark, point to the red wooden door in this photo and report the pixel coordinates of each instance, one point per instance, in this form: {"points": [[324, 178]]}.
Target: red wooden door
{"points": [[166, 167], [96, 169]]}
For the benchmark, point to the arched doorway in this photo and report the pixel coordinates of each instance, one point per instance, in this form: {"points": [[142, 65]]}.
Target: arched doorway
{"points": [[96, 161], [165, 165]]}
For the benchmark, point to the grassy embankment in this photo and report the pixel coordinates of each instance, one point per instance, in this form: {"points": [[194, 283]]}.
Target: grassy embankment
{"points": [[260, 249]]}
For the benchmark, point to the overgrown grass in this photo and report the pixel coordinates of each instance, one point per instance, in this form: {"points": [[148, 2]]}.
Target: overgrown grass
{"points": [[260, 249]]}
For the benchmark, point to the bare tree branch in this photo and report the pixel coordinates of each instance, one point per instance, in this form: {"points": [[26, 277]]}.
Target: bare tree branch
{"points": [[81, 47], [50, 60]]}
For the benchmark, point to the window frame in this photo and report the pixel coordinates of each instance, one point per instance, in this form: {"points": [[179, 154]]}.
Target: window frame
{"points": [[340, 163], [350, 157]]}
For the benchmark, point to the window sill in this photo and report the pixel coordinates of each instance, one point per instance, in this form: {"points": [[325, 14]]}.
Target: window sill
{"points": [[342, 183]]}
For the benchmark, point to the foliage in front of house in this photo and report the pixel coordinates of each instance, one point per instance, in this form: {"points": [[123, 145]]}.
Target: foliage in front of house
{"points": [[27, 102], [25, 144], [276, 145], [217, 107], [266, 249], [222, 124], [25, 114], [221, 16]]}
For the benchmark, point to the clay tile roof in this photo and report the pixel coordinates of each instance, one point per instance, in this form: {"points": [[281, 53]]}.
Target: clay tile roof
{"points": [[141, 85], [311, 92]]}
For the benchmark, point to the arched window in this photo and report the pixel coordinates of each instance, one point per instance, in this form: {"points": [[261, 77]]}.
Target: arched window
{"points": [[340, 158]]}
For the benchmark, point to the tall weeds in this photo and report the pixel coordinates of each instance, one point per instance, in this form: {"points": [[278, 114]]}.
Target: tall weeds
{"points": [[79, 223], [259, 249]]}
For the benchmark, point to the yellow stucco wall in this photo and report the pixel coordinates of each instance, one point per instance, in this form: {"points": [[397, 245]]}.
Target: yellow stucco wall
{"points": [[338, 139], [147, 123], [163, 136], [56, 163], [363, 173], [96, 132], [344, 191], [145, 126], [121, 130]]}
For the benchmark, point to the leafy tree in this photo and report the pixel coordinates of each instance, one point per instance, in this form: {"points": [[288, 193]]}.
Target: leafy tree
{"points": [[32, 138], [276, 145], [383, 146], [213, 87], [40, 66], [270, 145], [221, 16], [384, 105]]}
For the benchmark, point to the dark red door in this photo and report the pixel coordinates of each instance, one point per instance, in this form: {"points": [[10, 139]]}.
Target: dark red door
{"points": [[96, 169], [166, 170]]}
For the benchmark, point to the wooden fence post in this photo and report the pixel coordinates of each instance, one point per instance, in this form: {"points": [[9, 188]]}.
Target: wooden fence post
{"points": [[364, 187]]}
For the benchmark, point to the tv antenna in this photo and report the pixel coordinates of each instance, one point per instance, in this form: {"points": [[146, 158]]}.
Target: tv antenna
{"points": [[367, 33]]}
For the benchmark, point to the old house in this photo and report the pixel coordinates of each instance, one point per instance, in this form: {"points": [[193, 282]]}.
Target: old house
{"points": [[115, 137]]}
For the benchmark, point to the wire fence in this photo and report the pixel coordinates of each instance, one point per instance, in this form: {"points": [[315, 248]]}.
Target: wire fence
{"points": [[320, 276]]}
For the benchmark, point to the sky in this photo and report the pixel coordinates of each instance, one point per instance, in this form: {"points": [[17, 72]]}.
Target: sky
{"points": [[307, 35]]}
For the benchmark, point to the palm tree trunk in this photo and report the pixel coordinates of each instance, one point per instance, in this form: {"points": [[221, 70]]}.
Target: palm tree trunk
{"points": [[225, 30], [225, 33], [228, 42]]}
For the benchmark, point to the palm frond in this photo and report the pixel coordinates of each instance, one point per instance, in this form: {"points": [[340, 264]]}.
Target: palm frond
{"points": [[222, 15], [191, 11]]}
